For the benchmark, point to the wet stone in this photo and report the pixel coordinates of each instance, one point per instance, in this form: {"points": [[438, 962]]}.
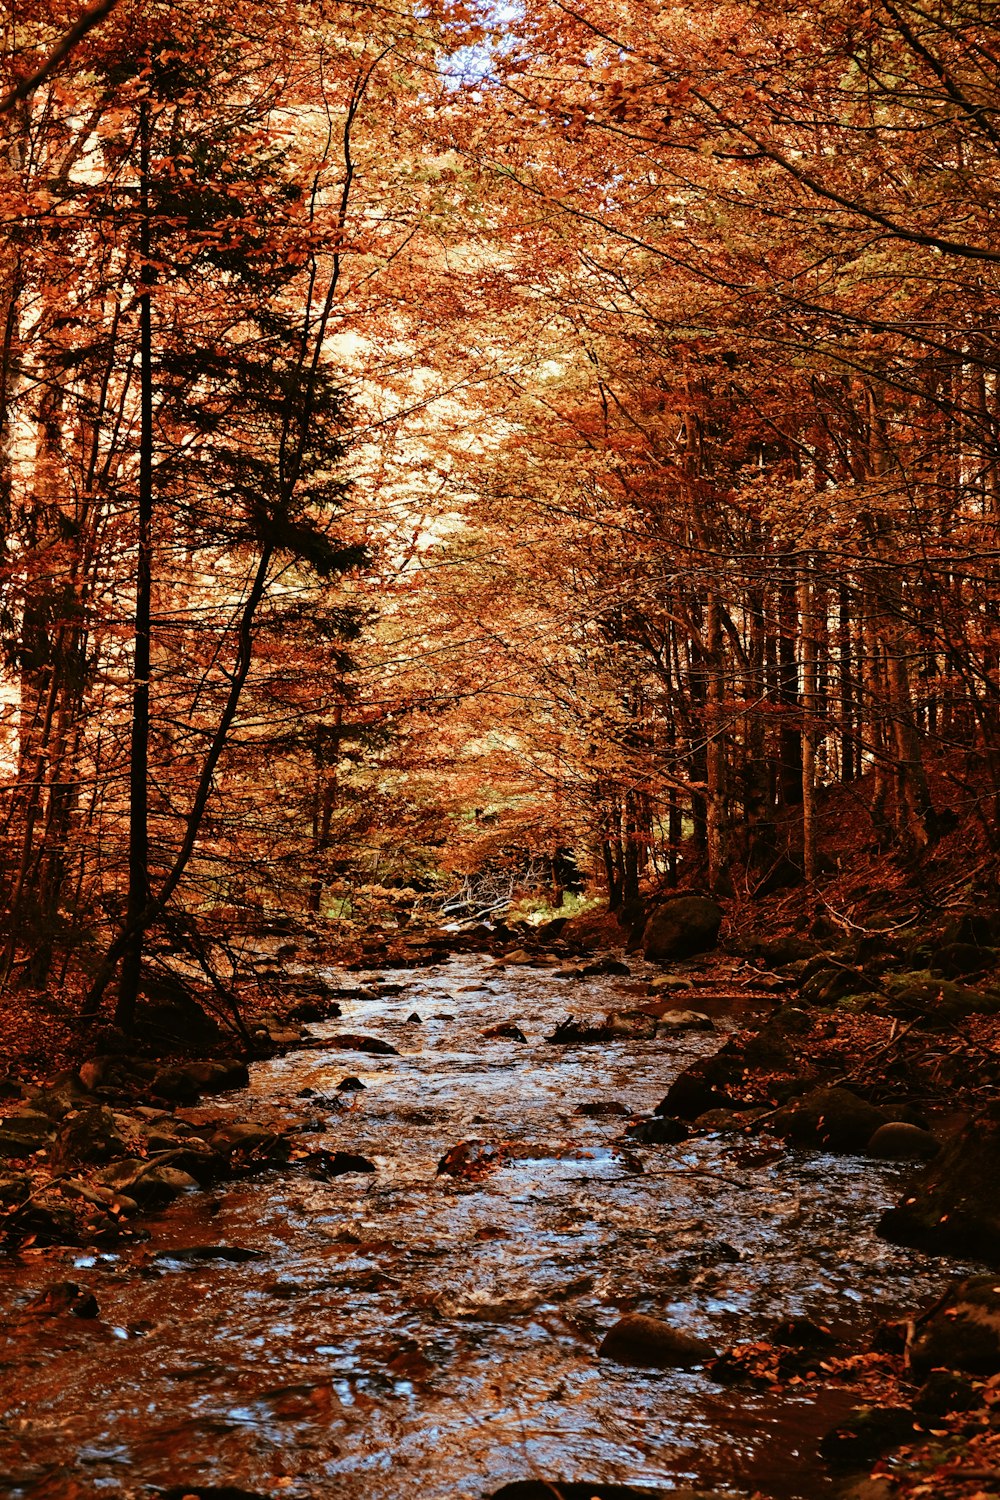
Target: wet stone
{"points": [[899, 1141], [963, 1333], [60, 1298], [661, 1130], [349, 1041], [866, 1435], [831, 1118], [506, 1030], [339, 1163], [650, 1343], [350, 1085]]}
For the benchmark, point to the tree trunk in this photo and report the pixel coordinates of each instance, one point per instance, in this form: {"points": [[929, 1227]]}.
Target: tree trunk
{"points": [[717, 828], [138, 850], [808, 753]]}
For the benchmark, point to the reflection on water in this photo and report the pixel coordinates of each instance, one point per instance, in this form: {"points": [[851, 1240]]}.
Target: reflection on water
{"points": [[406, 1334]]}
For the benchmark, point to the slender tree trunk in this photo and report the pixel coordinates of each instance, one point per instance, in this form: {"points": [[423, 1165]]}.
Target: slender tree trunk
{"points": [[719, 877], [808, 638], [788, 669], [138, 859]]}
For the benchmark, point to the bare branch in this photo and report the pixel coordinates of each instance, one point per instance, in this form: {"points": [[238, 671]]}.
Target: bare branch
{"points": [[90, 18]]}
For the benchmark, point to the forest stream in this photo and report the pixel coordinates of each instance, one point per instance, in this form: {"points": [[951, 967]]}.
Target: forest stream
{"points": [[400, 1333]]}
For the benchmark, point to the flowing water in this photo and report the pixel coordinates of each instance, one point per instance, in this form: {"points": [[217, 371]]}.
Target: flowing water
{"points": [[406, 1334]]}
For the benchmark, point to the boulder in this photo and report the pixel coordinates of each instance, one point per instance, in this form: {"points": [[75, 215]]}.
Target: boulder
{"points": [[24, 1133], [661, 1130], [506, 1030], [340, 1163], [952, 1206], [955, 959], [677, 1021], [701, 1087], [608, 965], [665, 984], [218, 1073], [961, 1333], [245, 1138], [91, 1135], [865, 1435], [832, 1119], [939, 1001], [349, 1041], [150, 1184], [62, 1297], [835, 982], [900, 1141], [946, 1391], [176, 1085], [681, 928], [652, 1344]]}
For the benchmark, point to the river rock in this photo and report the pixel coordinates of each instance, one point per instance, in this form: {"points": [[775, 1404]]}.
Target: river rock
{"points": [[962, 1332], [315, 1008], [175, 1085], [701, 1087], [900, 1141], [661, 1130], [349, 1086], [652, 1344], [505, 1030], [676, 1021], [350, 1041], [216, 1074], [865, 1435], [327, 1164], [952, 1206], [946, 1391], [61, 1297], [14, 1187], [245, 1138], [24, 1133], [832, 1119], [609, 966], [152, 1185], [681, 928], [601, 1109], [939, 1001], [91, 1135], [101, 1197]]}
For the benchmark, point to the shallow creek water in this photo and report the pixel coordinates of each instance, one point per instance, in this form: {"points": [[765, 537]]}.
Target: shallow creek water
{"points": [[405, 1334]]}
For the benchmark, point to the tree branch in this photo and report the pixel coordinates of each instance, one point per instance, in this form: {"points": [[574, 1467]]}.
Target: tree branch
{"points": [[89, 19]]}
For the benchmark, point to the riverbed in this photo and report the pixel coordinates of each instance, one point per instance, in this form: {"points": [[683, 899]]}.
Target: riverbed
{"points": [[402, 1333]]}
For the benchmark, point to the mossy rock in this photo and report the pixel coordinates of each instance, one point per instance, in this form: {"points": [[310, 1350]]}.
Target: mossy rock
{"points": [[833, 1119], [833, 983], [940, 999], [952, 1206]]}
